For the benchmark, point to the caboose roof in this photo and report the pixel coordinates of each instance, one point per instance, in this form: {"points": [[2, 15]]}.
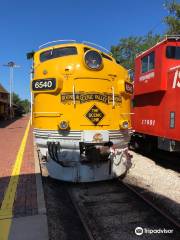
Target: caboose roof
{"points": [[166, 39]]}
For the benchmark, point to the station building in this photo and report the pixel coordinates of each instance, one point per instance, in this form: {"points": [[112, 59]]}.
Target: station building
{"points": [[4, 103]]}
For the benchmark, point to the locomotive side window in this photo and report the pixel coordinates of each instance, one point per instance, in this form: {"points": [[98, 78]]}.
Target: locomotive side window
{"points": [[57, 52], [147, 62], [105, 56], [173, 52], [86, 49]]}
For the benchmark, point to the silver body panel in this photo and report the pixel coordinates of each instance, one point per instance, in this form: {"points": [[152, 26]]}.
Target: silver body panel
{"points": [[75, 170]]}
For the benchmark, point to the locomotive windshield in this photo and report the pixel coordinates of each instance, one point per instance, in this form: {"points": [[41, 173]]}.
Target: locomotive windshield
{"points": [[173, 52], [57, 52]]}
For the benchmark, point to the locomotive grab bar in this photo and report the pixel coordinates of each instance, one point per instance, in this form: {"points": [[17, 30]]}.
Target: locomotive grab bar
{"points": [[65, 40], [113, 96], [74, 96], [126, 113], [93, 44], [70, 40]]}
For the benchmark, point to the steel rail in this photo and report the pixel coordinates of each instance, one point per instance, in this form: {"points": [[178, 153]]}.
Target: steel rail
{"points": [[81, 216], [151, 205], [174, 222]]}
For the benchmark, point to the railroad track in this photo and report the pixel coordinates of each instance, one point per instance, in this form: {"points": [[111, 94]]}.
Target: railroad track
{"points": [[113, 210]]}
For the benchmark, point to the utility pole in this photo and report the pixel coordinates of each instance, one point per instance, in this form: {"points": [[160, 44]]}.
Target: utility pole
{"points": [[11, 66]]}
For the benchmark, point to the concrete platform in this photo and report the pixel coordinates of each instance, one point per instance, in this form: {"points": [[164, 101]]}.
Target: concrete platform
{"points": [[29, 228]]}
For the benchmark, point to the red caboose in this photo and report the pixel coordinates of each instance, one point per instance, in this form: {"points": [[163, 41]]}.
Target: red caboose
{"points": [[156, 103]]}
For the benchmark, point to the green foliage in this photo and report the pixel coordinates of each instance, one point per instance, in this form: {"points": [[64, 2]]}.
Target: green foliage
{"points": [[127, 49], [23, 104], [173, 19], [16, 98]]}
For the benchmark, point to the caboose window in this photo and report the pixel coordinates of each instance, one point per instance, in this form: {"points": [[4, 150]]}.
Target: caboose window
{"points": [[151, 61], [147, 63], [172, 119], [173, 52], [144, 64], [57, 52]]}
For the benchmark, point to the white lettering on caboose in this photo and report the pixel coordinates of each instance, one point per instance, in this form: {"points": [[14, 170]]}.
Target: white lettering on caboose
{"points": [[149, 122], [176, 82], [147, 76]]}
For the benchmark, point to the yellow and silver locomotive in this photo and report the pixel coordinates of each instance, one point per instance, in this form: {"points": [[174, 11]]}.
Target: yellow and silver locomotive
{"points": [[81, 111]]}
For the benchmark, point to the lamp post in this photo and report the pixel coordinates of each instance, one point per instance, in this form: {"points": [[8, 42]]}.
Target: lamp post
{"points": [[11, 66]]}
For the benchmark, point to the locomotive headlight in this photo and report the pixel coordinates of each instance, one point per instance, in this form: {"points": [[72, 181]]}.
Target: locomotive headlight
{"points": [[93, 60], [124, 125], [64, 125]]}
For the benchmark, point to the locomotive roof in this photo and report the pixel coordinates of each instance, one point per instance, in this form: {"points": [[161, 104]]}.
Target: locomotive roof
{"points": [[166, 39], [90, 44], [55, 44]]}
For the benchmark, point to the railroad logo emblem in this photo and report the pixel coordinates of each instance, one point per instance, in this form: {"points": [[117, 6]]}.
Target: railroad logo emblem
{"points": [[95, 115], [97, 137]]}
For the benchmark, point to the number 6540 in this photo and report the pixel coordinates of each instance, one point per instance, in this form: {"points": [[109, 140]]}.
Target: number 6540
{"points": [[42, 84]]}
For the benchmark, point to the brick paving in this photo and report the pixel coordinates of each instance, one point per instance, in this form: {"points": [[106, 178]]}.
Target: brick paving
{"points": [[11, 134], [26, 195]]}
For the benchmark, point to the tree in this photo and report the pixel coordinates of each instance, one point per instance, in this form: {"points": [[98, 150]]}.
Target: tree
{"points": [[127, 49], [24, 105], [16, 98], [173, 19]]}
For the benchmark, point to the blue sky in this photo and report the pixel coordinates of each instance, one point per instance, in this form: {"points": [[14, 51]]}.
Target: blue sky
{"points": [[24, 25]]}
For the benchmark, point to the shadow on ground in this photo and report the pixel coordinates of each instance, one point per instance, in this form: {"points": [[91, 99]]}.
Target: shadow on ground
{"points": [[168, 160], [5, 123]]}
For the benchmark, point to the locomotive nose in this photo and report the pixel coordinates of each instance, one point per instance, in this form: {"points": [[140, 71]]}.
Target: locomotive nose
{"points": [[78, 112]]}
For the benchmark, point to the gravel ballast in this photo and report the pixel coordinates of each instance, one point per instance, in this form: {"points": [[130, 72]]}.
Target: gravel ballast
{"points": [[161, 185]]}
